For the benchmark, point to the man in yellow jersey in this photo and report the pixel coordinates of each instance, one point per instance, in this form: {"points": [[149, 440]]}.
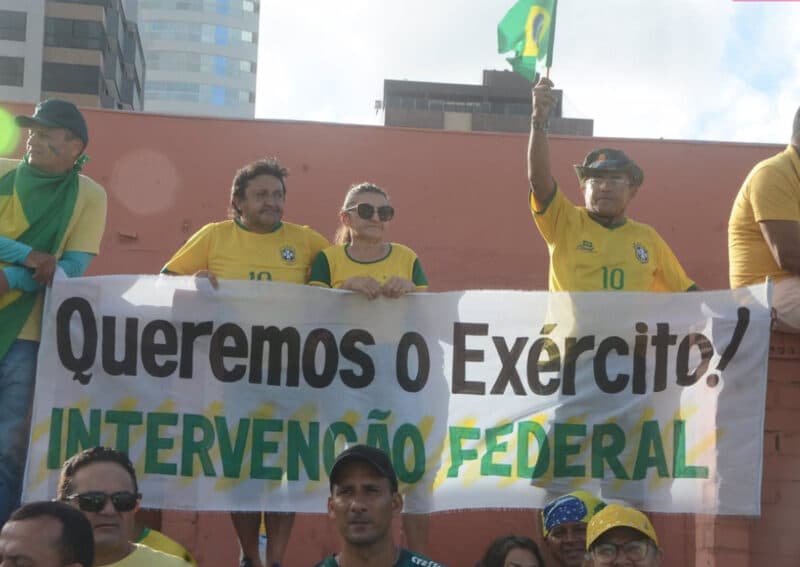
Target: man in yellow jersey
{"points": [[50, 216], [596, 248], [255, 244], [101, 483], [764, 231]]}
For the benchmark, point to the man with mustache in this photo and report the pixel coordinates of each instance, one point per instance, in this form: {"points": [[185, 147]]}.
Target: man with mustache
{"points": [[101, 483], [255, 244], [363, 502]]}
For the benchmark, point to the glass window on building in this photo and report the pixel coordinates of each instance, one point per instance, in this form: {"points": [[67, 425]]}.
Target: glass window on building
{"points": [[80, 34], [12, 25], [12, 71]]}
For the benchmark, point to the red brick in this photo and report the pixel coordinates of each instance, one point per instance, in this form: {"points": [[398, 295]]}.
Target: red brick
{"points": [[782, 467], [788, 443], [732, 537], [771, 443], [782, 420], [764, 541], [770, 560], [789, 494], [770, 492], [728, 558], [789, 395]]}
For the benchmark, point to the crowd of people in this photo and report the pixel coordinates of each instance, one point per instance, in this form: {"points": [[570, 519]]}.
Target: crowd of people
{"points": [[52, 217]]}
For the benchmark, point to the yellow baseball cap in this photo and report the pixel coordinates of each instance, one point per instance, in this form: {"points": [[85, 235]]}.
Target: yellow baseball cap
{"points": [[616, 516]]}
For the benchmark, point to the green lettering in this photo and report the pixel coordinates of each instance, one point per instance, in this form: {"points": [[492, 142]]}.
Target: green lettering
{"points": [[408, 433], [123, 420], [301, 447], [488, 466], [457, 454], [199, 447], [679, 467], [335, 430], [602, 453], [261, 446], [232, 456], [154, 443], [78, 436], [524, 430], [562, 449], [645, 458], [54, 460]]}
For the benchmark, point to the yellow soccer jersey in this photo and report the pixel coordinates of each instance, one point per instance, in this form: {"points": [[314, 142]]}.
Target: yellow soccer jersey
{"points": [[232, 252], [84, 232], [144, 556], [158, 541], [587, 256], [770, 192], [333, 266]]}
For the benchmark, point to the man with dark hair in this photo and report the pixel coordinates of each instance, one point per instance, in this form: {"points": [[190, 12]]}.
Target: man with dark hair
{"points": [[47, 534], [764, 231], [596, 247], [363, 502], [101, 482], [50, 216], [256, 244]]}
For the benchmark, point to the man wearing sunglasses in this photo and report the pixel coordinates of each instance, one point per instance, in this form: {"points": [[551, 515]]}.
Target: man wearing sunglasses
{"points": [[618, 535], [101, 482], [47, 534], [596, 248], [254, 245]]}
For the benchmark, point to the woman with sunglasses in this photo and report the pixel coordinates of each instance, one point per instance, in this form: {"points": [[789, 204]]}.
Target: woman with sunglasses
{"points": [[362, 259]]}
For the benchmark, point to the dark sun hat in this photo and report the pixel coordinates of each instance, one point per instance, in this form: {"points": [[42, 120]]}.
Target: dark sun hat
{"points": [[609, 160], [56, 113], [362, 453]]}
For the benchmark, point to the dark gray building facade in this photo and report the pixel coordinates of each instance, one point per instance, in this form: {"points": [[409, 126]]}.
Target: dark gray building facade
{"points": [[501, 104], [86, 51]]}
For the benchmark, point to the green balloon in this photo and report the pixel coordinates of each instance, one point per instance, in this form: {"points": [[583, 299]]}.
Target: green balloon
{"points": [[9, 133]]}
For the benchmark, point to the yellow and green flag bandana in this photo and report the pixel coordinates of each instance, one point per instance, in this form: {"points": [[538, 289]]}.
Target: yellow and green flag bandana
{"points": [[35, 209]]}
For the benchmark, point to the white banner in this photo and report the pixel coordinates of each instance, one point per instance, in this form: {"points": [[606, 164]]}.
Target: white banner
{"points": [[240, 399]]}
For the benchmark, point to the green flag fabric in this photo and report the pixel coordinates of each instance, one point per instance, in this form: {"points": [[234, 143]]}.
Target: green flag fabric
{"points": [[529, 30]]}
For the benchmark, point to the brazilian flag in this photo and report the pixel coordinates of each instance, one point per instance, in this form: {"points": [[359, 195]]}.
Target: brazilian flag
{"points": [[529, 30]]}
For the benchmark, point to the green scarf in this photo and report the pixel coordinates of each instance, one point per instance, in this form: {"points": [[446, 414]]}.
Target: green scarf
{"points": [[48, 201]]}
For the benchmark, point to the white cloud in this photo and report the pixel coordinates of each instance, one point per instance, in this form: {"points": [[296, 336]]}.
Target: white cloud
{"points": [[706, 69]]}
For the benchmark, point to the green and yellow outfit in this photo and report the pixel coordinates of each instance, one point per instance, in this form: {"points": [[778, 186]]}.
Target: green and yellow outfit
{"points": [[63, 215]]}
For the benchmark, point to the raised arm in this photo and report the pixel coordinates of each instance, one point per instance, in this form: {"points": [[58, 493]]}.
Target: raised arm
{"points": [[539, 176]]}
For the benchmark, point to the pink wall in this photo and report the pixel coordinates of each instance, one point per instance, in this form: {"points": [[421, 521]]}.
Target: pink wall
{"points": [[461, 201]]}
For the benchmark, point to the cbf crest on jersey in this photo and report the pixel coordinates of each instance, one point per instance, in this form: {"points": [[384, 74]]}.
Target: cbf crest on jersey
{"points": [[288, 254], [641, 253]]}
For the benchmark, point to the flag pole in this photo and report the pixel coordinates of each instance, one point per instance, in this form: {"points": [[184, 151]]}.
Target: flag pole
{"points": [[549, 62]]}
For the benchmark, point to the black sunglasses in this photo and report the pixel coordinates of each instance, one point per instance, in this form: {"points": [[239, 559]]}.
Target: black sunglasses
{"points": [[366, 211], [95, 501]]}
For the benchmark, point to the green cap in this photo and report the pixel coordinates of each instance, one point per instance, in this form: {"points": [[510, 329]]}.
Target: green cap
{"points": [[57, 113]]}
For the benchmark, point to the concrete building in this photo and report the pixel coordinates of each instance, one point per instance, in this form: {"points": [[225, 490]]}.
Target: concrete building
{"points": [[501, 104], [201, 56], [86, 51]]}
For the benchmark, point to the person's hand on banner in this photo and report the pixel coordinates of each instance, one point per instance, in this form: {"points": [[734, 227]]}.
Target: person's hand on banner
{"points": [[43, 266], [397, 286], [543, 99], [364, 284], [209, 275]]}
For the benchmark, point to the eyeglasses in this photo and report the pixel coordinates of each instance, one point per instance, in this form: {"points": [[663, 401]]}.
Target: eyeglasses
{"points": [[95, 501], [607, 552], [366, 211], [612, 181]]}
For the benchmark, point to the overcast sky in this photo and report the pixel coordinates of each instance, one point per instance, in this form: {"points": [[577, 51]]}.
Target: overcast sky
{"points": [[680, 69]]}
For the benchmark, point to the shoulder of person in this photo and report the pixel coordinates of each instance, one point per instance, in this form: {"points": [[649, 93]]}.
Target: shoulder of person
{"points": [[158, 558], [86, 183], [329, 561], [7, 164]]}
